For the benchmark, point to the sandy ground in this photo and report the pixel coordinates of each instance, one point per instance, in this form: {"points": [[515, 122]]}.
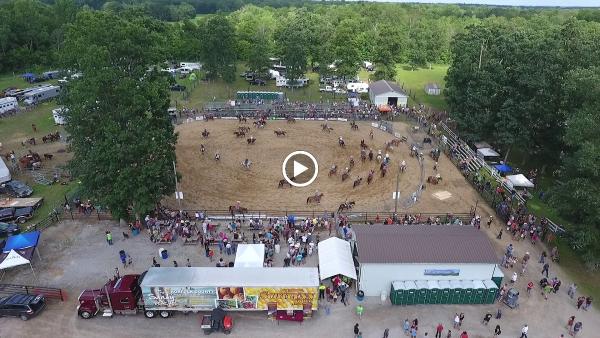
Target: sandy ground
{"points": [[75, 256], [208, 184]]}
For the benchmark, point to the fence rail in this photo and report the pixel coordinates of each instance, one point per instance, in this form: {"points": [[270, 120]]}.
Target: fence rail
{"points": [[53, 293]]}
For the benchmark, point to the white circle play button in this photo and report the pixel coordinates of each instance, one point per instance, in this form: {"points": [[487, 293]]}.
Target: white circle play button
{"points": [[300, 168]]}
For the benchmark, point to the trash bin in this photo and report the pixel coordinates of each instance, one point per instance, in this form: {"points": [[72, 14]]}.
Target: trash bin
{"points": [[163, 253]]}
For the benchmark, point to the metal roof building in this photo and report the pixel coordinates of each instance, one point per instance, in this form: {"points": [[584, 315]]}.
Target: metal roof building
{"points": [[421, 252], [387, 93]]}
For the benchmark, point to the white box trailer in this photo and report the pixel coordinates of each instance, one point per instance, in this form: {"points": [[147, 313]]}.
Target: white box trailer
{"points": [[58, 115], [8, 104], [4, 172], [237, 288], [359, 87], [41, 94]]}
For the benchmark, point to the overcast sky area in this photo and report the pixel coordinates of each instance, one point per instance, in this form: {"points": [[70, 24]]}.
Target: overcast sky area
{"points": [[549, 3]]}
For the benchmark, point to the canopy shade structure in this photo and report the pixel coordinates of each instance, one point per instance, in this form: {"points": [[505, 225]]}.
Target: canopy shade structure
{"points": [[22, 241], [250, 256], [335, 258], [503, 168], [518, 181], [4, 172], [487, 152], [13, 259]]}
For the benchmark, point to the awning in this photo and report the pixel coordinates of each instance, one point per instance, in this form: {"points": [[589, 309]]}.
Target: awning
{"points": [[503, 168], [22, 241], [13, 259], [335, 258], [518, 181], [487, 152], [250, 256]]}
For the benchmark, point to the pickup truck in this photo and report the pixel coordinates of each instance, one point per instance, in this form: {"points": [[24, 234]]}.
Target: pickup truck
{"points": [[19, 215]]}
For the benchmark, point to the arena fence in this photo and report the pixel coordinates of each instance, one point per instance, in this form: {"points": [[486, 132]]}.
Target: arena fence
{"points": [[352, 216]]}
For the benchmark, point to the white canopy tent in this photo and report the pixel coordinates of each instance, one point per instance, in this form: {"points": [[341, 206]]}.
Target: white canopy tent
{"points": [[518, 181], [14, 259], [250, 256], [4, 172], [335, 258]]}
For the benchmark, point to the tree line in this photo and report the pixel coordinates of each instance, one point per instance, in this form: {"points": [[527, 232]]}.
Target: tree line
{"points": [[534, 85]]}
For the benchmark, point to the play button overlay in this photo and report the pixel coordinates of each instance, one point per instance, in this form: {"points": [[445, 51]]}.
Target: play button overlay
{"points": [[300, 168]]}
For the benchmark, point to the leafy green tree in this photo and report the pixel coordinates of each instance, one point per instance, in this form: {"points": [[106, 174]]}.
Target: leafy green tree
{"points": [[122, 138], [292, 43], [218, 49], [345, 50]]}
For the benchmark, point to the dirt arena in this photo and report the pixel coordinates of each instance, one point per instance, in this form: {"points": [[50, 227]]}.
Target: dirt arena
{"points": [[215, 185]]}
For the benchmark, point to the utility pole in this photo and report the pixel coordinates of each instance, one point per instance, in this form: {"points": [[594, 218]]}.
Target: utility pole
{"points": [[177, 195]]}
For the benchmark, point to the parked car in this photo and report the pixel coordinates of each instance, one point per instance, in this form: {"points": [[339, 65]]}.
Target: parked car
{"points": [[177, 87], [9, 229], [16, 189], [22, 305], [258, 82], [19, 215]]}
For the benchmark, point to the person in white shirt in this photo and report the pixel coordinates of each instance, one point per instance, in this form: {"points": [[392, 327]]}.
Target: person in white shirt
{"points": [[524, 331]]}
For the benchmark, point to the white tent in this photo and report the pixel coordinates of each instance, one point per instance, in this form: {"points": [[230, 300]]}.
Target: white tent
{"points": [[250, 256], [335, 258], [14, 259], [4, 172], [518, 181]]}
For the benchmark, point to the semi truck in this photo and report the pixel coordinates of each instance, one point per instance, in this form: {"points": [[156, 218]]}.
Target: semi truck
{"points": [[164, 291], [41, 94]]}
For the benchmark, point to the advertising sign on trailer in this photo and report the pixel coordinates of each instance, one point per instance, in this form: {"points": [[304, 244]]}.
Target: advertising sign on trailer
{"points": [[175, 297], [286, 298]]}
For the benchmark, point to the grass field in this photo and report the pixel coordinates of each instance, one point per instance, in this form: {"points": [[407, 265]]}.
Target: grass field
{"points": [[414, 81]]}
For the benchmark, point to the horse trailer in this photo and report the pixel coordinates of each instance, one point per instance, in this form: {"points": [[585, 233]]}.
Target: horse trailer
{"points": [[41, 94], [58, 115], [8, 104]]}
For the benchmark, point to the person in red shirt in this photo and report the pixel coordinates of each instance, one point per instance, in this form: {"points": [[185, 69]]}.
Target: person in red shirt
{"points": [[464, 335], [438, 330]]}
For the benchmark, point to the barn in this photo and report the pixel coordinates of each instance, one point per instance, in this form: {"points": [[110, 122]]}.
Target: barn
{"points": [[424, 257], [387, 93]]}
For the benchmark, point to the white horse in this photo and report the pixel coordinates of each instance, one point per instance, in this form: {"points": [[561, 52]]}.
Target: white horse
{"points": [[403, 166]]}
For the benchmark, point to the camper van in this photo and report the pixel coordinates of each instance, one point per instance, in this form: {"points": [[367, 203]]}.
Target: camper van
{"points": [[283, 82], [8, 104], [358, 87], [41, 94], [58, 116]]}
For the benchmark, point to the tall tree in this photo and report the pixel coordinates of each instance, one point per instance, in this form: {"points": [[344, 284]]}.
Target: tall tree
{"points": [[122, 139], [292, 43], [218, 49]]}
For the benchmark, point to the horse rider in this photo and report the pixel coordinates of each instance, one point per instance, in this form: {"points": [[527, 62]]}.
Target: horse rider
{"points": [[403, 165], [246, 163], [371, 134], [202, 149], [387, 158], [217, 156]]}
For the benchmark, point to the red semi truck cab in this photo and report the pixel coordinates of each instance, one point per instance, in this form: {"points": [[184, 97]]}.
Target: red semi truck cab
{"points": [[121, 295]]}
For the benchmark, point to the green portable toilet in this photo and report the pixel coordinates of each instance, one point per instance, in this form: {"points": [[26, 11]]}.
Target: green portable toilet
{"points": [[434, 291], [410, 292], [479, 292], [397, 293], [456, 292], [422, 292], [491, 291], [445, 290], [497, 276], [468, 291]]}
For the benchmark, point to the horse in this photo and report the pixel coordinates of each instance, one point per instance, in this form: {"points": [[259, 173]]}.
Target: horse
{"points": [[434, 179], [395, 142], [383, 170], [345, 176], [246, 164], [353, 126], [202, 149], [260, 123], [351, 164], [282, 183], [435, 154], [363, 155], [217, 157], [251, 140], [371, 134], [332, 170], [326, 128], [48, 156], [388, 146], [379, 157], [239, 133], [363, 144], [370, 155], [346, 206], [314, 198], [205, 133], [427, 140], [341, 143], [234, 209], [209, 117], [244, 129], [370, 177], [357, 182], [402, 166], [279, 132], [242, 119], [291, 119]]}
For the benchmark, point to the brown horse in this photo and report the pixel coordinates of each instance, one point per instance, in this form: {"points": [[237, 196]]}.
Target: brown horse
{"points": [[283, 183], [332, 170], [434, 179], [241, 210], [346, 206], [291, 119], [357, 182], [205, 133], [279, 132], [396, 142], [383, 170], [345, 176], [239, 133], [314, 199], [251, 140], [370, 177]]}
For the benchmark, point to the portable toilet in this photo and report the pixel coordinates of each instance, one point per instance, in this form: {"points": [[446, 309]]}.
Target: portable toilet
{"points": [[444, 292], [497, 276], [479, 292], [456, 292], [410, 292], [468, 291], [397, 293], [422, 292], [491, 291], [434, 291]]}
